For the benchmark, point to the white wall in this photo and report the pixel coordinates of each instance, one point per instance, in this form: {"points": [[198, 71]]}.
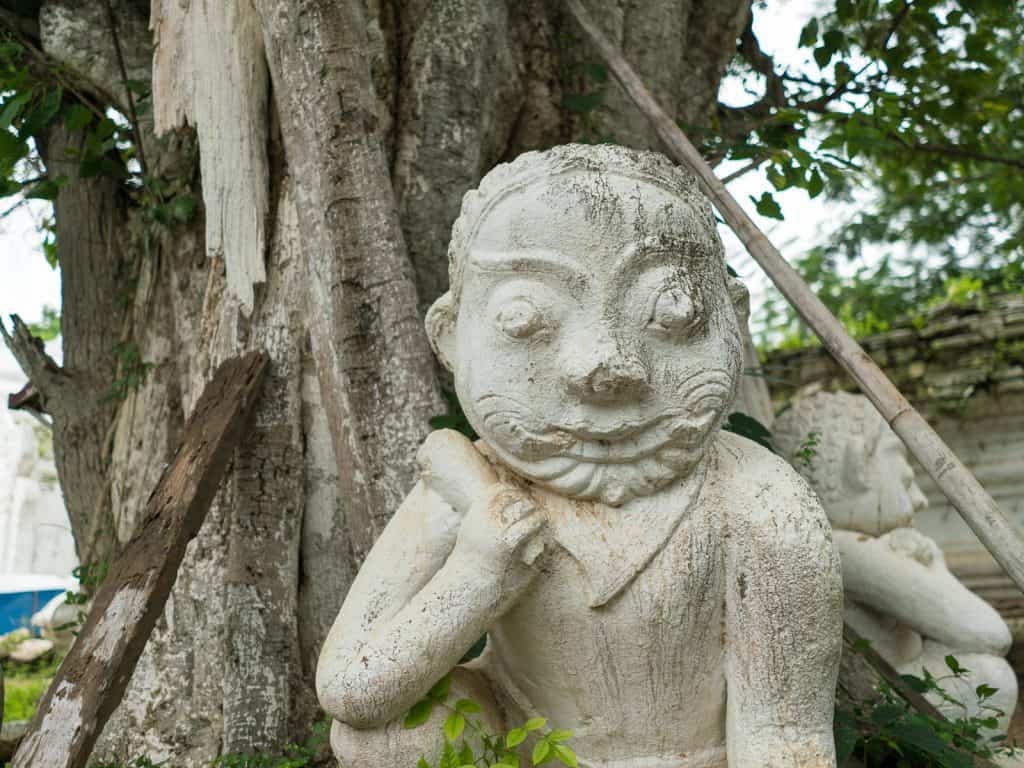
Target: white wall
{"points": [[35, 536]]}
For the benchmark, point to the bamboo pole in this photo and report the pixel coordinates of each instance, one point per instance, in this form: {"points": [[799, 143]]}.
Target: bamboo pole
{"points": [[963, 490]]}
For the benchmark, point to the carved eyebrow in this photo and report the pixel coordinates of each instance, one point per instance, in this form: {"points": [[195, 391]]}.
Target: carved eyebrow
{"points": [[654, 248], [526, 261]]}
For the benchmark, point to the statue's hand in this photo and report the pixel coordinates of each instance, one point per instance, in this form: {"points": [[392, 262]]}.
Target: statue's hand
{"points": [[500, 531], [915, 545]]}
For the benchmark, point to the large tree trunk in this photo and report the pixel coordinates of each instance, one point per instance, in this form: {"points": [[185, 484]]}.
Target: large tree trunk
{"points": [[336, 139]]}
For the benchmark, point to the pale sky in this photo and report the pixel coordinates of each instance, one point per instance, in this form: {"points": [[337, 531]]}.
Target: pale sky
{"points": [[28, 283]]}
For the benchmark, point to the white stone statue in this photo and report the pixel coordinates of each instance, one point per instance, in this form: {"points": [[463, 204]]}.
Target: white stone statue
{"points": [[668, 591], [899, 593]]}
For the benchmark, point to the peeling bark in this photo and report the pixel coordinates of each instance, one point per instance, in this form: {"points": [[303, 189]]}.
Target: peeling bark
{"points": [[210, 71]]}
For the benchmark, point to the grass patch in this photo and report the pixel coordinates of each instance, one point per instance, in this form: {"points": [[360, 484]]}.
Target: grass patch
{"points": [[24, 686], [21, 695]]}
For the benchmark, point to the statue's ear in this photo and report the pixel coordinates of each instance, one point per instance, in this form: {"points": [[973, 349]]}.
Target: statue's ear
{"points": [[440, 324], [740, 299]]}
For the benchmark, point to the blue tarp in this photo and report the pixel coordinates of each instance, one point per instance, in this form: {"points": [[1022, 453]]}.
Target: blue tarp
{"points": [[16, 608], [21, 595]]}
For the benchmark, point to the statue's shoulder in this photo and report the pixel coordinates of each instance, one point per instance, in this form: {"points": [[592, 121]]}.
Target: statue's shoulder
{"points": [[761, 491]]}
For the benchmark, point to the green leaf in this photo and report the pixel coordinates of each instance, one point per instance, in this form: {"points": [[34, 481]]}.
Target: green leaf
{"points": [[466, 754], [12, 149], [41, 114], [846, 741], [515, 737], [747, 426], [535, 722], [13, 108], [541, 752], [422, 763], [815, 184], [915, 683], [183, 207], [138, 87], [885, 714], [565, 754], [766, 206], [596, 72], [985, 691], [441, 688], [47, 189], [419, 714], [559, 735], [583, 102], [454, 726], [809, 34], [954, 665], [77, 117], [466, 706]]}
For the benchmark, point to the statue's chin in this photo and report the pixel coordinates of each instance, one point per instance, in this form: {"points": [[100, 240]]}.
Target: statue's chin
{"points": [[613, 484]]}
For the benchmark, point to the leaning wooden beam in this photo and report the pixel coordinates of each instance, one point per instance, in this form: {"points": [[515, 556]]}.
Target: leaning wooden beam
{"points": [[963, 490], [93, 677]]}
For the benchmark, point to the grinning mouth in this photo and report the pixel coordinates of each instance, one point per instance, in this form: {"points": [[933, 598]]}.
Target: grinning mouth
{"points": [[632, 443], [625, 442]]}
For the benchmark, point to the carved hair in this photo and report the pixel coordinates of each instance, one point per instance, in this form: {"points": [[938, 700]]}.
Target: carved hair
{"points": [[840, 420]]}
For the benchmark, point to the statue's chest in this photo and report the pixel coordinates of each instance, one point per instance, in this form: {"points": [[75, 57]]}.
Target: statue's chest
{"points": [[661, 592], [661, 633]]}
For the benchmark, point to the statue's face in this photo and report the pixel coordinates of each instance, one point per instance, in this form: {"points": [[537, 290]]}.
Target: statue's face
{"points": [[595, 346], [878, 493]]}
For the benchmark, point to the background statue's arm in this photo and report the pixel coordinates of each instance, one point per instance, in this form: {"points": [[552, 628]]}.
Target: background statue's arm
{"points": [[783, 626], [903, 574]]}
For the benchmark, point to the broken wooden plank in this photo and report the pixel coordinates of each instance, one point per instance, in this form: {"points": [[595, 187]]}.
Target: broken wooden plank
{"points": [[94, 675]]}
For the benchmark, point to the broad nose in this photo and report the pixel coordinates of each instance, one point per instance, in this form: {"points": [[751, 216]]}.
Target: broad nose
{"points": [[605, 371]]}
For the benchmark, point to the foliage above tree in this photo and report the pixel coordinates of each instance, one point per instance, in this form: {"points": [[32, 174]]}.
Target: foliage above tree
{"points": [[919, 104]]}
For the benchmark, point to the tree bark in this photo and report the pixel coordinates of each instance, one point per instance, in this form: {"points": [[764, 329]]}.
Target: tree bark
{"points": [[376, 118]]}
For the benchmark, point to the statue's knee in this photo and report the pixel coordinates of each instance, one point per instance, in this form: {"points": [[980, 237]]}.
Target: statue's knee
{"points": [[393, 744]]}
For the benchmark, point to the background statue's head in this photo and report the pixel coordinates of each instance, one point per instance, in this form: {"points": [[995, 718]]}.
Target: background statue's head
{"points": [[855, 462], [591, 325]]}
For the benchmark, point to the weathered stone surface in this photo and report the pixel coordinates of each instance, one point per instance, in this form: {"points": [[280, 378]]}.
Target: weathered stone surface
{"points": [[900, 594], [593, 335]]}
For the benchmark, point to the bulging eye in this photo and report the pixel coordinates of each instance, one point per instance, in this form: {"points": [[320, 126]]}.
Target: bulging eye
{"points": [[520, 319], [673, 311]]}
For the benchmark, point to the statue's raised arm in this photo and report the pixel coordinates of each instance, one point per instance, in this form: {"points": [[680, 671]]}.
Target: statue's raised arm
{"points": [[642, 578]]}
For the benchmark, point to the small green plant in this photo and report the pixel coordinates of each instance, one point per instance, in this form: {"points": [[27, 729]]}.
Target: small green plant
{"points": [[808, 449], [486, 749], [90, 576], [889, 732], [132, 371]]}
